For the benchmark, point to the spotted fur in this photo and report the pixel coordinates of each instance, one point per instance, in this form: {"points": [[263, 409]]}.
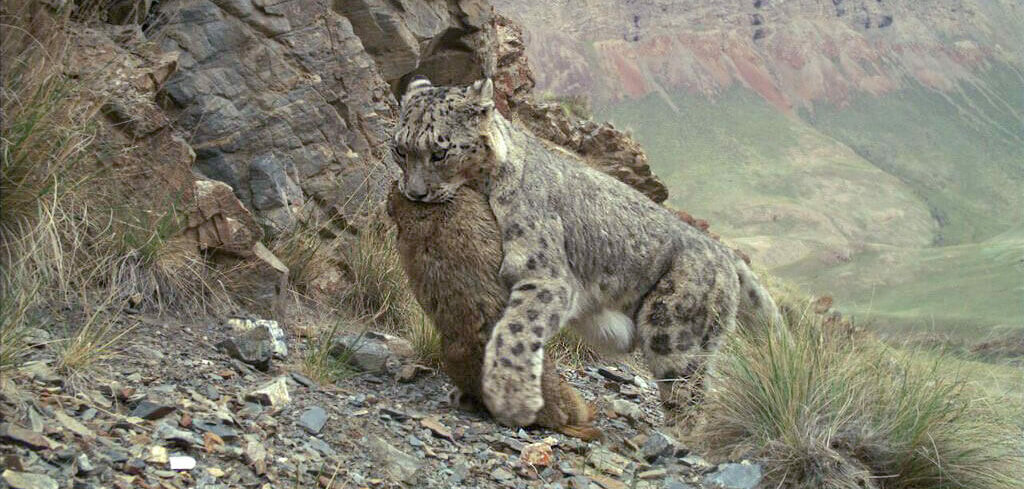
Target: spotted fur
{"points": [[580, 249]]}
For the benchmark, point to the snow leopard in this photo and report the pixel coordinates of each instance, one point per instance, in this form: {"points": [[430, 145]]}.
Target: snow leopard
{"points": [[580, 250]]}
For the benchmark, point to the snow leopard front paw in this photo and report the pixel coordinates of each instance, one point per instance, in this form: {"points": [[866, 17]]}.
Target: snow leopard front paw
{"points": [[512, 395]]}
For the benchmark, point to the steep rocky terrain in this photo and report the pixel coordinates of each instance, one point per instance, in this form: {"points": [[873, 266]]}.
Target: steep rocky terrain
{"points": [[174, 398], [871, 148], [260, 120], [792, 53]]}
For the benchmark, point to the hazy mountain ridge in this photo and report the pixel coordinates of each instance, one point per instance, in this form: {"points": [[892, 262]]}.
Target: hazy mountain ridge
{"points": [[792, 53], [843, 143]]}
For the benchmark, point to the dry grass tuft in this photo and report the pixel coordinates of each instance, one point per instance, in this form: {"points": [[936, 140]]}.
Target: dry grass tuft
{"points": [[320, 363], [571, 350], [380, 291], [379, 288], [94, 339], [377, 292], [63, 246], [577, 105], [425, 339], [19, 311], [824, 411]]}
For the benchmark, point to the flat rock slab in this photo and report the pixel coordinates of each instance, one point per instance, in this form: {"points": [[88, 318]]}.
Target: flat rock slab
{"points": [[397, 463], [29, 438], [73, 425], [167, 433], [25, 480], [313, 420], [218, 428], [735, 476], [273, 393], [150, 410], [608, 461]]}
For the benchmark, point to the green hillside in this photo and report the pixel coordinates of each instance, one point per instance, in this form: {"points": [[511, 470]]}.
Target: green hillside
{"points": [[905, 207], [963, 289], [961, 152]]}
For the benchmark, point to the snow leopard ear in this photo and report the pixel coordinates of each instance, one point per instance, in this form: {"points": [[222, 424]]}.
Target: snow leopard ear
{"points": [[483, 91], [417, 84]]}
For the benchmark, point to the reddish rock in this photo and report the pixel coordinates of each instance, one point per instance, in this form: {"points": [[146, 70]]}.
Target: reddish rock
{"points": [[219, 221], [536, 454]]}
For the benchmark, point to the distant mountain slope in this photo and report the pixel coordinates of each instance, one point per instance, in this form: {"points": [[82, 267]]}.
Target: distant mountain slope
{"points": [[869, 148]]}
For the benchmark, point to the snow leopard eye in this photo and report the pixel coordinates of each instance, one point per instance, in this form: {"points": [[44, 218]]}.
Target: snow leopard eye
{"points": [[399, 152], [438, 155]]}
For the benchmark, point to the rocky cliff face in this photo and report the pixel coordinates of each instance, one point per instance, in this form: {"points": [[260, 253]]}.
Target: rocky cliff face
{"points": [[286, 103], [260, 117], [291, 102]]}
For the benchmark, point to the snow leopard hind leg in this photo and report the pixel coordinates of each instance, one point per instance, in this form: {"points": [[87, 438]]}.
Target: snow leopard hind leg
{"points": [[681, 323]]}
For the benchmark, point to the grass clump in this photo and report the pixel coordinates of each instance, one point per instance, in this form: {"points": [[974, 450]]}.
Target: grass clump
{"points": [[95, 338], [18, 311], [376, 293], [63, 245], [47, 128], [380, 291], [570, 349], [824, 411], [322, 362], [379, 288], [425, 339]]}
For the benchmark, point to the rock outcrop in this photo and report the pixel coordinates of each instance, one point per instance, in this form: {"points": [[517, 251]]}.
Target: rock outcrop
{"points": [[257, 120], [290, 103], [281, 102], [150, 175], [601, 145]]}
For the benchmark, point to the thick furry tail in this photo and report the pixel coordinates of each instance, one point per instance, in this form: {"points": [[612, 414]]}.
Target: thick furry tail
{"points": [[756, 305]]}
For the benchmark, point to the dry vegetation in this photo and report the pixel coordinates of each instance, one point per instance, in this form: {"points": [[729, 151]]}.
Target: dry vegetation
{"points": [[577, 105], [376, 295], [831, 409], [64, 246], [320, 362]]}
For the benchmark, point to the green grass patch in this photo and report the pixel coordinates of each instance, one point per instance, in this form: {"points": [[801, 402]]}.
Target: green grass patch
{"points": [[961, 151], [322, 362], [902, 206], [825, 409], [723, 148]]}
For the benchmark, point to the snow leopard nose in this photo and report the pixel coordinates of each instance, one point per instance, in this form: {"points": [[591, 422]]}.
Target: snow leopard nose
{"points": [[415, 185], [416, 194]]}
